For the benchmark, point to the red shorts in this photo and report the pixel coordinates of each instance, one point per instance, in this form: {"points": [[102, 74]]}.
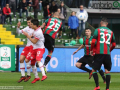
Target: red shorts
{"points": [[27, 51], [37, 55]]}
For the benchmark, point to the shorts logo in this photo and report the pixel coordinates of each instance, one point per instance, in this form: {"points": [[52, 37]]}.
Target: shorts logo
{"points": [[38, 53]]}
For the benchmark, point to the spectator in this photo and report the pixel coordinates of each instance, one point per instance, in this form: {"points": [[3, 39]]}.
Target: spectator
{"points": [[82, 22], [47, 13], [1, 18], [64, 12], [3, 3], [40, 5], [23, 8], [30, 3], [12, 4], [53, 7], [35, 6], [7, 13], [73, 23]]}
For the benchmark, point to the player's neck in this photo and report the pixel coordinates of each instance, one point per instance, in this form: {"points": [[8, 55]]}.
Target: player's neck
{"points": [[35, 28], [88, 37], [103, 26]]}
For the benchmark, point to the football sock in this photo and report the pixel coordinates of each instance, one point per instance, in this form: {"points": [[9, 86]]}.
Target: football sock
{"points": [[42, 68], [34, 69], [85, 69], [95, 76], [102, 74], [22, 68], [28, 68], [47, 59], [108, 80]]}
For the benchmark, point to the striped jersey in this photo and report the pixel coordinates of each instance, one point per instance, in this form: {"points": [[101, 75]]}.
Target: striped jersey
{"points": [[104, 37], [52, 27], [87, 43]]}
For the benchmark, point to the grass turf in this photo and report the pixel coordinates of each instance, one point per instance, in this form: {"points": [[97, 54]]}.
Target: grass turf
{"points": [[59, 81]]}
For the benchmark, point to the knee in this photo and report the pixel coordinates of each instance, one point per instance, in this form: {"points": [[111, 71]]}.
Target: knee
{"points": [[106, 71], [26, 60], [78, 65], [21, 60]]}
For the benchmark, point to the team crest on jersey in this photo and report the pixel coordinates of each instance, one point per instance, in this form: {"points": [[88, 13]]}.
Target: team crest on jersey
{"points": [[90, 42]]}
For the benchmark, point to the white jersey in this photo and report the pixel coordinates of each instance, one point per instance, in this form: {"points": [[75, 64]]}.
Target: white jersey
{"points": [[28, 30], [38, 34]]}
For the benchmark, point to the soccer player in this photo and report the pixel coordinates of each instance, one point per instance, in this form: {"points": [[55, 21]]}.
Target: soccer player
{"points": [[25, 55], [105, 44], [52, 27], [87, 58], [38, 49]]}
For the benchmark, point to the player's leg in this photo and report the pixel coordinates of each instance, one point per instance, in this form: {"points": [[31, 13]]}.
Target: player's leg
{"points": [[22, 68], [102, 75], [81, 64], [98, 59], [28, 69], [107, 65], [39, 56], [34, 69]]}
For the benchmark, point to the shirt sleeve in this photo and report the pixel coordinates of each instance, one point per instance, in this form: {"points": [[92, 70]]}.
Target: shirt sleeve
{"points": [[46, 21], [113, 38], [37, 35], [21, 31]]}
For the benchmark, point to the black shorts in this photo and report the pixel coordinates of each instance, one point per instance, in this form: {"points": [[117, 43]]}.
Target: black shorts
{"points": [[86, 59], [49, 42], [100, 59]]}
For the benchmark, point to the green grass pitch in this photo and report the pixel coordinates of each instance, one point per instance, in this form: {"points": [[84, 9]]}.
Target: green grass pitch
{"points": [[59, 81]]}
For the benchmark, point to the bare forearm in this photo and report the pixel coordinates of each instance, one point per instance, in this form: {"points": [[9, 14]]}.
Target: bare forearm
{"points": [[82, 46]]}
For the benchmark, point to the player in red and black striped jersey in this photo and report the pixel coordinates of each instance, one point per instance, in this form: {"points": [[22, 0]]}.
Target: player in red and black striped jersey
{"points": [[105, 44], [87, 58], [52, 27]]}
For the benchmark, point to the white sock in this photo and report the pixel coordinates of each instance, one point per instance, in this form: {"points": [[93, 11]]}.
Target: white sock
{"points": [[34, 69], [22, 68], [28, 68], [42, 68]]}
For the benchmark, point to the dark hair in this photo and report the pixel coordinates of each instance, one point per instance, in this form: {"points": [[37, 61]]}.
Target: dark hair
{"points": [[104, 19], [62, 2], [87, 29], [29, 18], [35, 22]]}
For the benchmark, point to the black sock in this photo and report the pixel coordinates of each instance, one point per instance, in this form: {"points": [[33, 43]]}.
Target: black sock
{"points": [[47, 59], [85, 69], [95, 76], [102, 74], [107, 81]]}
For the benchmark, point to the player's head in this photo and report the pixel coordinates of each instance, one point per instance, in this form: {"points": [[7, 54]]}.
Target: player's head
{"points": [[34, 24], [56, 14], [88, 32], [29, 21], [104, 22]]}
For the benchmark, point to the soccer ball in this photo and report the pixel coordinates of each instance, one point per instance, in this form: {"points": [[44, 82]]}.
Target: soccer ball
{"points": [[81, 16]]}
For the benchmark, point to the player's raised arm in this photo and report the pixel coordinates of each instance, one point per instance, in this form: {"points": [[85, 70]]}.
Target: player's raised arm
{"points": [[82, 46], [18, 28]]}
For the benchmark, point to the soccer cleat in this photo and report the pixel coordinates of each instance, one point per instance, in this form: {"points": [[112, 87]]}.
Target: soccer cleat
{"points": [[45, 70], [90, 75], [97, 88], [43, 78], [21, 79], [107, 89], [35, 80], [27, 78]]}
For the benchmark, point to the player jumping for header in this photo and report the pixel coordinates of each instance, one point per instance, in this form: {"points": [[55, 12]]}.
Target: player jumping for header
{"points": [[52, 27]]}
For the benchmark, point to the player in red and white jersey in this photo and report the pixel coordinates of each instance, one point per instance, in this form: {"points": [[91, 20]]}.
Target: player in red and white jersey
{"points": [[25, 55], [38, 49]]}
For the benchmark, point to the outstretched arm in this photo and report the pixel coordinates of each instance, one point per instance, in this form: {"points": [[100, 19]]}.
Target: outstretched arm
{"points": [[82, 46]]}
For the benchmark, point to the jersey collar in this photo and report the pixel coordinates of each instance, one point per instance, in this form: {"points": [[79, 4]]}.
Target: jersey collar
{"points": [[37, 28]]}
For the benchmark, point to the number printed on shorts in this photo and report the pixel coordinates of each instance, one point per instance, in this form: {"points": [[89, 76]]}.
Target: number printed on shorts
{"points": [[54, 24], [38, 53], [103, 38]]}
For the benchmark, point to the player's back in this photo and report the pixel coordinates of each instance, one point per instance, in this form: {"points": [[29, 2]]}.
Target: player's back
{"points": [[52, 27], [104, 38]]}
